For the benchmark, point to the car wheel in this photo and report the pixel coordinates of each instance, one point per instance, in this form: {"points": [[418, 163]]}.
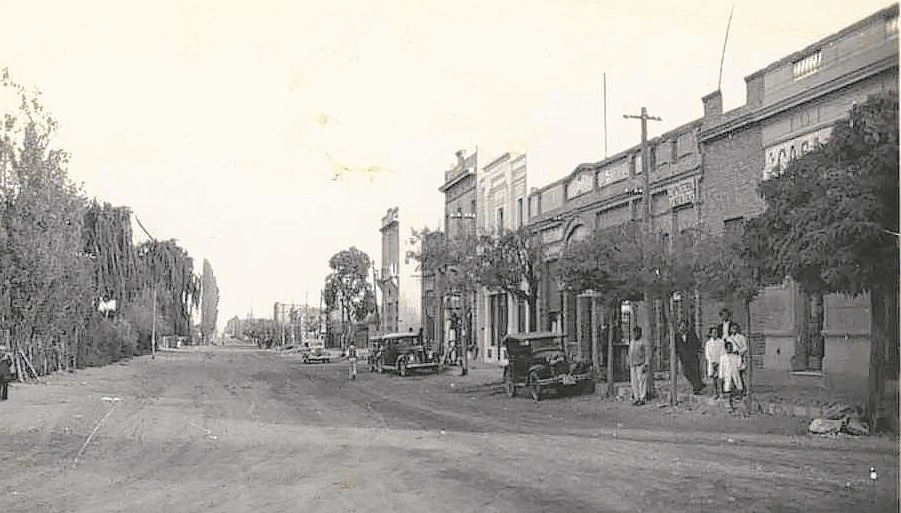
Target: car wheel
{"points": [[402, 368], [535, 386], [509, 386]]}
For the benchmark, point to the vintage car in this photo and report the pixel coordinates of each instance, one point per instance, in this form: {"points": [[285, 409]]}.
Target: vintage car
{"points": [[316, 354], [401, 353], [537, 361]]}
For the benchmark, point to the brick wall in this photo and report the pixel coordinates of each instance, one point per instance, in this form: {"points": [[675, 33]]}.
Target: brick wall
{"points": [[732, 170]]}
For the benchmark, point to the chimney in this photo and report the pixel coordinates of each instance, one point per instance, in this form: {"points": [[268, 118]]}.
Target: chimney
{"points": [[713, 104], [461, 157]]}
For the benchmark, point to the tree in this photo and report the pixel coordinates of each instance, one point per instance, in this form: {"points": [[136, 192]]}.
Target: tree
{"points": [[347, 288], [831, 222], [512, 262], [46, 278], [209, 306], [622, 263], [166, 268]]}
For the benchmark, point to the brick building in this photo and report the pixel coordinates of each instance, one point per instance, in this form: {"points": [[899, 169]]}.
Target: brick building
{"points": [[791, 106]]}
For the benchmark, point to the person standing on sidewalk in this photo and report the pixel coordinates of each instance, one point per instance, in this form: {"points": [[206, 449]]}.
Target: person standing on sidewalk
{"points": [[714, 349], [688, 349], [352, 359], [639, 362], [6, 375], [740, 346]]}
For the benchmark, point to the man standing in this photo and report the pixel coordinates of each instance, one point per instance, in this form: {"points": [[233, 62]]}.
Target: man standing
{"points": [[352, 359], [6, 376], [740, 346], [639, 362], [725, 326], [688, 349]]}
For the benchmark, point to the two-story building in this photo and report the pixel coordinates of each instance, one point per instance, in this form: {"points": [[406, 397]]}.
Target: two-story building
{"points": [[605, 194], [790, 108], [502, 202]]}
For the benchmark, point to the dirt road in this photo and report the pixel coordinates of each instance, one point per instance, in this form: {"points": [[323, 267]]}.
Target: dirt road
{"points": [[244, 430]]}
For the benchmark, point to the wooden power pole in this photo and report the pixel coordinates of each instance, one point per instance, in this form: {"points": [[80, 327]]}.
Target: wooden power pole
{"points": [[648, 210]]}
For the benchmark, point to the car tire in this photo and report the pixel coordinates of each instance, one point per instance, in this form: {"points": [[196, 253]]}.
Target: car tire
{"points": [[535, 386], [402, 368], [509, 386]]}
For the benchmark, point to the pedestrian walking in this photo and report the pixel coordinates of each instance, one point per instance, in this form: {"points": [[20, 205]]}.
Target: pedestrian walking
{"points": [[6, 375], [352, 359], [714, 348], [639, 362], [688, 349], [730, 364]]}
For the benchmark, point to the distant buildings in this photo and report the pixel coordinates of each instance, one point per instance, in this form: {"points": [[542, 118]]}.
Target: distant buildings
{"points": [[398, 279]]}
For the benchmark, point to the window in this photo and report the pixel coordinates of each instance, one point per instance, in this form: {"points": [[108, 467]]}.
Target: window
{"points": [[674, 150], [500, 219], [521, 316], [519, 213], [807, 65]]}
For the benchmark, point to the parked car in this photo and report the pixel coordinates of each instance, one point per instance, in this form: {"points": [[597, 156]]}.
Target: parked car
{"points": [[537, 361], [401, 353], [316, 355]]}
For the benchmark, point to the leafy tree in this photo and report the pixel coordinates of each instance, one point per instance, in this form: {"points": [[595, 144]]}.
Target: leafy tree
{"points": [[831, 222], [107, 237], [347, 287], [167, 268], [209, 309], [512, 262], [46, 278]]}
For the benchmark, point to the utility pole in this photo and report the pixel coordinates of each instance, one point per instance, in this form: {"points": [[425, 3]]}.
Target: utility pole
{"points": [[646, 232]]}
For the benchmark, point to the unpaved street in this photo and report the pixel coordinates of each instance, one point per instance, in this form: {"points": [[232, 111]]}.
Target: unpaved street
{"points": [[242, 430]]}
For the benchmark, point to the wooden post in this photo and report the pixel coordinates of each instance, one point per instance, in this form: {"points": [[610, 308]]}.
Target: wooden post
{"points": [[673, 367], [613, 316]]}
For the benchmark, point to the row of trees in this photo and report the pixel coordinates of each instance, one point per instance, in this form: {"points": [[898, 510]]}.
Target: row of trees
{"points": [[830, 223], [74, 289]]}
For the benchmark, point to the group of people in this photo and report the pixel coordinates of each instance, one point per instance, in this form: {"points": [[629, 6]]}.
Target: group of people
{"points": [[725, 352]]}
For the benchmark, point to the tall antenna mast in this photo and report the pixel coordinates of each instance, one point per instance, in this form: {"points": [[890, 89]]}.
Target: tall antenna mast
{"points": [[719, 81]]}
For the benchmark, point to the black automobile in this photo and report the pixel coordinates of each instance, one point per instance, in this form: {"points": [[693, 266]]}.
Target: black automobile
{"points": [[537, 361], [401, 353]]}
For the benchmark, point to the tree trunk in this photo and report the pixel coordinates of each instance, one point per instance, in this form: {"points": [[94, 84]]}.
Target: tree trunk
{"points": [[877, 355], [613, 316]]}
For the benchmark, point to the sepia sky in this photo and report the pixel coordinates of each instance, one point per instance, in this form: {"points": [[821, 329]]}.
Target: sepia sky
{"points": [[221, 123]]}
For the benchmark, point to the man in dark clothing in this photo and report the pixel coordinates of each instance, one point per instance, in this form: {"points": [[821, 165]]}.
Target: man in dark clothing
{"points": [[688, 349], [6, 376]]}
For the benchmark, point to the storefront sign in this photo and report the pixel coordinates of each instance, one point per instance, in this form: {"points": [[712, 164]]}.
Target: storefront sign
{"points": [[681, 194], [613, 173], [580, 184], [779, 155]]}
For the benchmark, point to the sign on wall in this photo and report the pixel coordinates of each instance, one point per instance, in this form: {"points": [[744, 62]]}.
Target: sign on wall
{"points": [[580, 184], [681, 193], [613, 173], [779, 155]]}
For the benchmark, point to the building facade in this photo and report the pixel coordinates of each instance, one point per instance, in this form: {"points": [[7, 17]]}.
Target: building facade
{"points": [[502, 201], [605, 194], [791, 107], [398, 279]]}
